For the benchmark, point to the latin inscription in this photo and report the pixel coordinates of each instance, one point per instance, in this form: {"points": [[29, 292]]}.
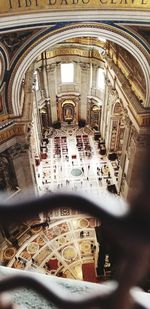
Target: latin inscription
{"points": [[16, 6]]}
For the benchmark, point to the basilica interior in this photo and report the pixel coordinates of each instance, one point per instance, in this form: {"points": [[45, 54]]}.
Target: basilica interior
{"points": [[74, 116]]}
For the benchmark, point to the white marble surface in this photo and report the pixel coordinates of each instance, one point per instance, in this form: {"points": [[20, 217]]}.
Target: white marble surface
{"points": [[29, 299]]}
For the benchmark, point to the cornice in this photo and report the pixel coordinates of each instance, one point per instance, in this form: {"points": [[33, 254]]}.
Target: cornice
{"points": [[8, 22]]}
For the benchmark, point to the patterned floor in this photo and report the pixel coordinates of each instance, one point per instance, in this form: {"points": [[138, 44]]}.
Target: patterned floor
{"points": [[68, 241], [72, 169], [59, 249]]}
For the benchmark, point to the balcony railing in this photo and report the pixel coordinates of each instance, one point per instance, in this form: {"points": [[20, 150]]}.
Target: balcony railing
{"points": [[129, 228]]}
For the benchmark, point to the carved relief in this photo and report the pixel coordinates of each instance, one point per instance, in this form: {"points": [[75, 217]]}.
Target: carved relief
{"points": [[84, 66]]}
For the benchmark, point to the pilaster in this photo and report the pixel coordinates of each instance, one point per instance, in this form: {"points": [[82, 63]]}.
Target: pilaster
{"points": [[85, 88], [28, 104], [136, 179], [20, 156], [51, 73], [139, 179], [125, 154], [111, 96]]}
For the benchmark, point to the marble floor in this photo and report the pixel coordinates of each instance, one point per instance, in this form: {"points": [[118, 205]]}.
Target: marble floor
{"points": [[73, 169], [73, 163]]}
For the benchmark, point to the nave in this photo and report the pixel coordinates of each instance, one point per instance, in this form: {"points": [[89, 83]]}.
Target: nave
{"points": [[64, 242]]}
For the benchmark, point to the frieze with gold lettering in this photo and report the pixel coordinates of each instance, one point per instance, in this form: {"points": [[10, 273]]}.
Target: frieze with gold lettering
{"points": [[73, 52], [15, 130], [21, 6]]}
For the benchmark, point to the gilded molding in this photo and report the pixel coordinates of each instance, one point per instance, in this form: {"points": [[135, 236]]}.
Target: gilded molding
{"points": [[12, 7], [73, 51]]}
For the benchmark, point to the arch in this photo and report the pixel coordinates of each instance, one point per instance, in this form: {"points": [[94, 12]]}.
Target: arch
{"points": [[67, 101], [68, 110], [117, 107], [4, 62], [95, 108], [112, 33]]}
